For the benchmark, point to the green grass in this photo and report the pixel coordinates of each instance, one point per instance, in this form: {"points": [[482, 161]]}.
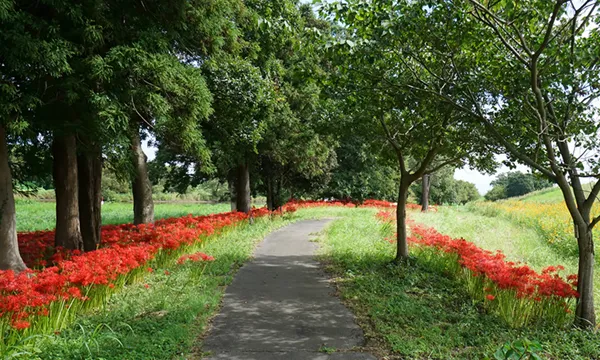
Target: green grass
{"points": [[413, 311], [549, 196], [416, 310], [36, 215], [166, 319]]}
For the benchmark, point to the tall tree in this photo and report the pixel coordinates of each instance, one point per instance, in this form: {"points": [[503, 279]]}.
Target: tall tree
{"points": [[543, 114], [424, 134], [31, 50], [66, 188], [10, 258], [243, 102]]}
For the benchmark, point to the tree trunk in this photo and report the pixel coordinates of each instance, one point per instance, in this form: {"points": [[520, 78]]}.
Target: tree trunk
{"points": [[143, 205], [68, 231], [90, 196], [231, 184], [270, 193], [242, 189], [425, 194], [277, 197], [402, 245], [10, 258], [585, 314]]}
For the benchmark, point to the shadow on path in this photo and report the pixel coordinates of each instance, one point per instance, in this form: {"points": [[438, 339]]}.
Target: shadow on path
{"points": [[280, 306]]}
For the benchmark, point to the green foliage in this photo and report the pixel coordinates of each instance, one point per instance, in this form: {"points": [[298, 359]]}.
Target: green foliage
{"points": [[423, 132], [516, 183], [243, 102], [466, 192], [519, 349], [444, 189], [497, 192]]}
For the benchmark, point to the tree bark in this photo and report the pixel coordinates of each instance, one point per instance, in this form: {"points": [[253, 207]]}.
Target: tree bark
{"points": [[585, 315], [90, 196], [277, 197], [242, 189], [10, 258], [402, 244], [425, 193], [231, 183], [68, 230], [143, 205], [270, 193]]}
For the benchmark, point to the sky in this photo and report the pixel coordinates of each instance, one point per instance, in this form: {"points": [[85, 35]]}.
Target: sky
{"points": [[482, 181]]}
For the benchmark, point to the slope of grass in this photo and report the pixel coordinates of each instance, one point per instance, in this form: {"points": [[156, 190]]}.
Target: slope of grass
{"points": [[36, 215], [518, 243], [548, 196], [416, 311]]}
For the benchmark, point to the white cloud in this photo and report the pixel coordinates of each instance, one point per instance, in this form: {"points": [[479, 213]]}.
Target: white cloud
{"points": [[483, 181]]}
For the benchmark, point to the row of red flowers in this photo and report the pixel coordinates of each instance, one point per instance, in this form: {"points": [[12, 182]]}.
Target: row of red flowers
{"points": [[506, 275], [125, 248], [520, 278]]}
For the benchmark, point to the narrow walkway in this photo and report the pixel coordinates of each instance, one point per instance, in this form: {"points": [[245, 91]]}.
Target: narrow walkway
{"points": [[280, 306]]}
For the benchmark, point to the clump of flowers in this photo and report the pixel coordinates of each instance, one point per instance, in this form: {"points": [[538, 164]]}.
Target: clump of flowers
{"points": [[199, 256]]}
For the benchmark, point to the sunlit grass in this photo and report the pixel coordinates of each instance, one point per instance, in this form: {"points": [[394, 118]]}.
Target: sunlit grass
{"points": [[419, 311]]}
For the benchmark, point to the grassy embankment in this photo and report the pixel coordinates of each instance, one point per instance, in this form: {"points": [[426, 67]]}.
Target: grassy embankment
{"points": [[535, 229], [417, 311]]}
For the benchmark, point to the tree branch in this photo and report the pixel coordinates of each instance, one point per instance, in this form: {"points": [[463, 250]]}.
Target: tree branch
{"points": [[594, 222], [592, 195], [551, 22], [441, 165]]}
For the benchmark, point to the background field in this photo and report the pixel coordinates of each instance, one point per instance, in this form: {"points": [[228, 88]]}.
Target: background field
{"points": [[35, 215]]}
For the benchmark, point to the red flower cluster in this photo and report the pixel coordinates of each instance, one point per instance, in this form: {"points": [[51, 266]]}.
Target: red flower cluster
{"points": [[378, 203], [505, 275], [348, 203], [386, 216], [124, 249], [295, 203], [195, 258]]}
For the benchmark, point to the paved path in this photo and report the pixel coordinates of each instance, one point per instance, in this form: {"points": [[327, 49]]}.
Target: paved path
{"points": [[280, 306]]}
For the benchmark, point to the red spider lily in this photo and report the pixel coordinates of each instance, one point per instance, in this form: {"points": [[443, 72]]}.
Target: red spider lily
{"points": [[195, 258], [291, 209], [385, 216]]}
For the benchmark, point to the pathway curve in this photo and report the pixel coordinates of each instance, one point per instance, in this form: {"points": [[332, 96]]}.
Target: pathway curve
{"points": [[280, 306]]}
